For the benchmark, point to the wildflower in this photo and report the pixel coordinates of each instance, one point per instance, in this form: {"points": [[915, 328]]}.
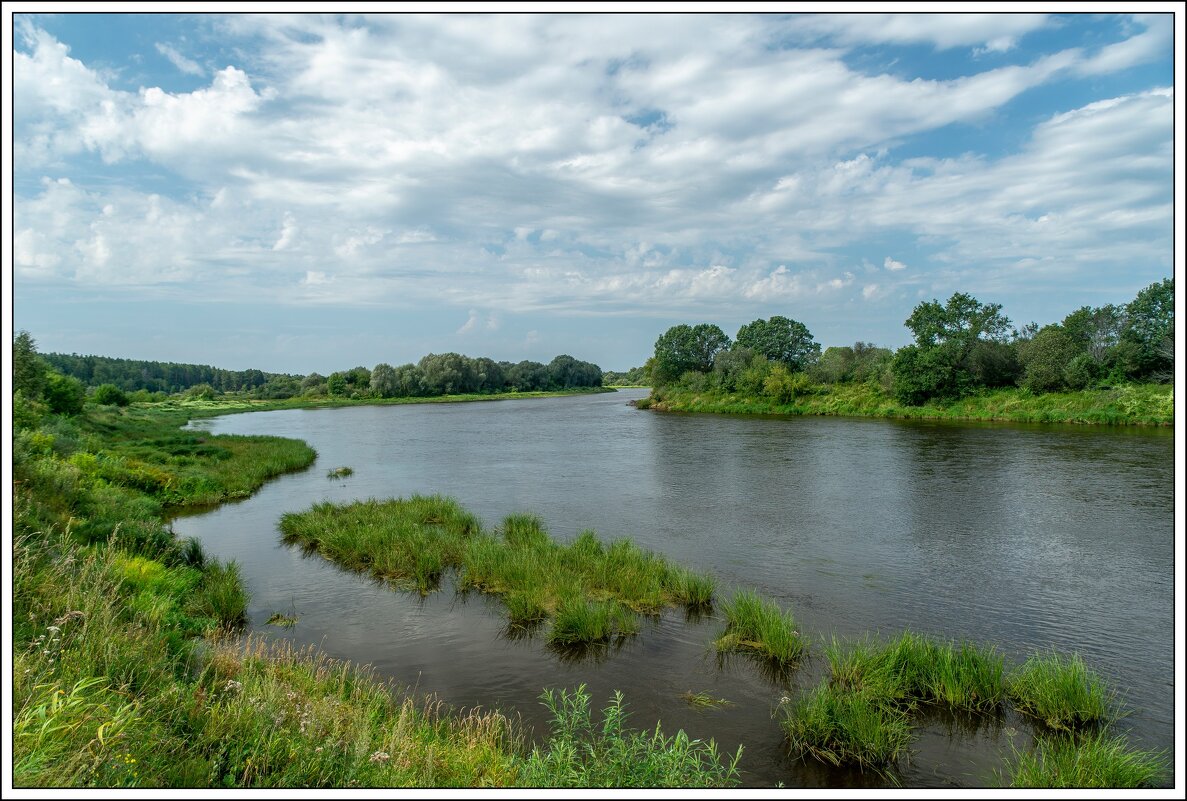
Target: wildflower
{"points": [[52, 629], [380, 756], [232, 686]]}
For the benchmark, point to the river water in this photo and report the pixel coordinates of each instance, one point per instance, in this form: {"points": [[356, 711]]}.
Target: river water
{"points": [[1028, 537]]}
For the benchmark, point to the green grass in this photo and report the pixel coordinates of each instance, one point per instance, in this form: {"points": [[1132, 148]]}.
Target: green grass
{"points": [[282, 620], [1135, 404], [916, 669], [582, 753], [340, 472], [845, 727], [756, 625], [1094, 760], [591, 590], [1061, 692]]}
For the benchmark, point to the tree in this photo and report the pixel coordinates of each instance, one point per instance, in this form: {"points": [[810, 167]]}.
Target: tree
{"points": [[28, 368], [1045, 358], [64, 394], [383, 381], [781, 340], [682, 348], [950, 355], [1149, 324], [336, 384], [109, 395]]}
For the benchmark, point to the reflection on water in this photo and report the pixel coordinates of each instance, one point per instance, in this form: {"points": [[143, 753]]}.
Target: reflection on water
{"points": [[1026, 537]]}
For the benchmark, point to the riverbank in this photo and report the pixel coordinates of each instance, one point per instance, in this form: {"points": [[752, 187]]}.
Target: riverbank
{"points": [[129, 669], [1136, 404]]}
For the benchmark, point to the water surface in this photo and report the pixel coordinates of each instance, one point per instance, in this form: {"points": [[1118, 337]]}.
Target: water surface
{"points": [[1024, 536]]}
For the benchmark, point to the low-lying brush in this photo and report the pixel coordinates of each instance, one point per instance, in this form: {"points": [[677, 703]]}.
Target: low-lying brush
{"points": [[591, 590], [581, 754], [757, 625]]}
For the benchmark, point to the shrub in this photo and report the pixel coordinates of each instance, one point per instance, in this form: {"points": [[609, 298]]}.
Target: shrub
{"points": [[109, 395]]}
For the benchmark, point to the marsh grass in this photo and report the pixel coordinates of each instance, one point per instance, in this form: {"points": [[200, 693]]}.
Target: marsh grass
{"points": [[340, 472], [845, 727], [1061, 692], [282, 620], [756, 625], [1089, 760], [591, 590], [582, 753]]}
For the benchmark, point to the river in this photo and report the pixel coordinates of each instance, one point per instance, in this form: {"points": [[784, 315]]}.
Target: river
{"points": [[1028, 537]]}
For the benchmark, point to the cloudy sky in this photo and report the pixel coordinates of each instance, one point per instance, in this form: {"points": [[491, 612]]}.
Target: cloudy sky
{"points": [[300, 193]]}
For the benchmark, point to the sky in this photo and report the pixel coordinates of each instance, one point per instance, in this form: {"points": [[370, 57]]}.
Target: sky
{"points": [[299, 193]]}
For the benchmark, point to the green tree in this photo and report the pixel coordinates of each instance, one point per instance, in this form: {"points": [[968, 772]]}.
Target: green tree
{"points": [[28, 368], [1045, 358], [383, 381], [782, 340], [64, 394], [109, 395], [950, 356], [683, 347], [1149, 331], [336, 384]]}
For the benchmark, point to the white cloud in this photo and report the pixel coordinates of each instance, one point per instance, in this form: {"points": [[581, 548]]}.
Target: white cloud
{"points": [[892, 265], [287, 233], [182, 63], [470, 324]]}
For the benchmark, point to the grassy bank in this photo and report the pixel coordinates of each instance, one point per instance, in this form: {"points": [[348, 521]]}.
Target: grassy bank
{"points": [[590, 590], [127, 671], [1137, 404]]}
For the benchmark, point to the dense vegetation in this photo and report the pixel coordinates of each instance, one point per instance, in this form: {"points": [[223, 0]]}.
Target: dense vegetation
{"points": [[434, 375], [122, 675], [965, 361], [590, 590]]}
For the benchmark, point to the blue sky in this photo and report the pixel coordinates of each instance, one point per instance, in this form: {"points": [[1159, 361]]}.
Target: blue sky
{"points": [[310, 193]]}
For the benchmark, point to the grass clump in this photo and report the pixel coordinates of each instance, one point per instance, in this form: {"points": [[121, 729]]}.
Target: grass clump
{"points": [[282, 620], [757, 625], [1060, 691], [340, 472], [915, 669], [845, 727], [580, 753], [1089, 760], [591, 590]]}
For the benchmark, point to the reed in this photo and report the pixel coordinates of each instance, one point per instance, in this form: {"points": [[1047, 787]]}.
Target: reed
{"points": [[845, 727]]}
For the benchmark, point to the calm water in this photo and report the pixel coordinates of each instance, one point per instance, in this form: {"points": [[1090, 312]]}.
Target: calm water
{"points": [[1028, 537]]}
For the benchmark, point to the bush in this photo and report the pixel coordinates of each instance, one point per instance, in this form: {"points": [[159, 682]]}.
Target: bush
{"points": [[64, 394], [109, 395]]}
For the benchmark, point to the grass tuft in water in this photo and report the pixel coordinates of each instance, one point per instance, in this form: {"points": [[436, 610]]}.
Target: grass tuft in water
{"points": [[1060, 691], [282, 620], [1088, 760], [758, 625], [340, 472], [843, 727], [704, 700]]}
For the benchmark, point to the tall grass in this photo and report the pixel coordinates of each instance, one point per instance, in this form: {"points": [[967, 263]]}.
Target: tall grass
{"points": [[1060, 691], [844, 727], [591, 590], [582, 753], [757, 625], [1093, 760]]}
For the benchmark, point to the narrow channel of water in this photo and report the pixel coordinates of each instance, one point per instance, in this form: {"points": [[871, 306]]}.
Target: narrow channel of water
{"points": [[1026, 536]]}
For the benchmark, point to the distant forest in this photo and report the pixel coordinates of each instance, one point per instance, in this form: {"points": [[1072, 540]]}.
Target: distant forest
{"points": [[435, 374]]}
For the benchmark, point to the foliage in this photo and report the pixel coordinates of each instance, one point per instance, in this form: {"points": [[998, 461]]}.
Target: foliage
{"points": [[28, 367], [1149, 324], [1045, 358], [1060, 691], [781, 340], [580, 753], [683, 347], [758, 625], [63, 394], [109, 395]]}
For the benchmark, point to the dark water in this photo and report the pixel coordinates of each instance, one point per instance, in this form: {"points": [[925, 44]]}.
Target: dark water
{"points": [[1027, 537]]}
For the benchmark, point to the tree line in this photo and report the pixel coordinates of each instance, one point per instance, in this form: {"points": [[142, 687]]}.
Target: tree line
{"points": [[959, 347], [119, 381]]}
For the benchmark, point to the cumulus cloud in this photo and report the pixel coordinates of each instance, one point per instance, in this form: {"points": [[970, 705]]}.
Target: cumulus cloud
{"points": [[603, 167]]}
